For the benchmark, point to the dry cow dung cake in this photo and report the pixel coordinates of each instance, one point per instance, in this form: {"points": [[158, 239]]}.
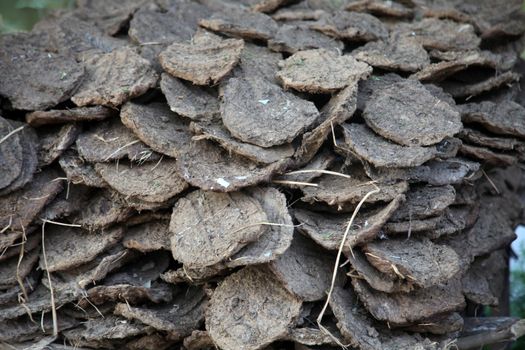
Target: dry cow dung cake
{"points": [[352, 26], [408, 114], [150, 182], [113, 78], [321, 71], [111, 140], [396, 54], [34, 78], [219, 224], [202, 63], [188, 100], [217, 132], [241, 24], [250, 309], [261, 174], [258, 112]]}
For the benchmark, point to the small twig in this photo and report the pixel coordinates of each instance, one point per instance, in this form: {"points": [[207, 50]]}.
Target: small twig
{"points": [[20, 257], [53, 306], [328, 172], [59, 223], [11, 133], [8, 225], [490, 181], [265, 224], [297, 183], [121, 148], [336, 265]]}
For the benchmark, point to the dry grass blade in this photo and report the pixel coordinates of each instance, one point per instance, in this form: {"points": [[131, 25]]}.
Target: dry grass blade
{"points": [[11, 133], [321, 171], [121, 148], [336, 266], [296, 183], [59, 223], [53, 306]]}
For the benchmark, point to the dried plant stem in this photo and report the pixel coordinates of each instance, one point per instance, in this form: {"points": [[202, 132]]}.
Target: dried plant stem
{"points": [[336, 266], [11, 133], [53, 306]]}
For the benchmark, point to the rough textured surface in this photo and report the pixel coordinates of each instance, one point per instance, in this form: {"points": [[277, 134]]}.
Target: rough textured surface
{"points": [[340, 108], [321, 71], [201, 63], [352, 26], [150, 182], [59, 116], [219, 224], [149, 236], [291, 39], [188, 100], [353, 321], [55, 141], [406, 308], [216, 132], [17, 213], [258, 112], [250, 309], [170, 225], [113, 78], [10, 154], [277, 237], [423, 202], [460, 90], [362, 268], [178, 318], [426, 264], [337, 190], [111, 140], [398, 53], [68, 247], [380, 152], [29, 143], [460, 61], [439, 34], [11, 270], [204, 165], [158, 127], [304, 269], [327, 230], [242, 24], [408, 114], [505, 118], [33, 79]]}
